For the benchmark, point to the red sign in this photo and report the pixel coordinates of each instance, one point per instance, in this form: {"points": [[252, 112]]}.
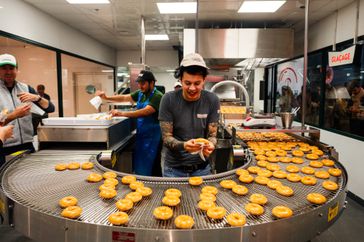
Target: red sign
{"points": [[122, 236], [342, 58]]}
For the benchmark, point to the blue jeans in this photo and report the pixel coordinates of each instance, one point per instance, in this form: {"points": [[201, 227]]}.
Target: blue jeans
{"points": [[173, 172]]}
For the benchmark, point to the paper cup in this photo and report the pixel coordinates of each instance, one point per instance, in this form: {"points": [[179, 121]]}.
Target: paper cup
{"points": [[96, 102]]}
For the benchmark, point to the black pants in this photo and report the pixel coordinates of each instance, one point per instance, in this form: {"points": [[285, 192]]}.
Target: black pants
{"points": [[9, 150]]}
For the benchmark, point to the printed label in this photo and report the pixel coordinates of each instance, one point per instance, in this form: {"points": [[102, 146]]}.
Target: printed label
{"points": [[202, 115], [122, 236], [333, 211]]}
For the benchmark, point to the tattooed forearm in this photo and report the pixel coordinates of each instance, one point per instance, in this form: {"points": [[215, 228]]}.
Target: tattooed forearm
{"points": [[212, 133], [167, 134]]}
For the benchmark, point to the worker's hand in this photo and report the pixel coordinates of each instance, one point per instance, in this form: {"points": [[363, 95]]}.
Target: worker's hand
{"points": [[208, 149], [191, 146], [101, 94], [6, 132], [116, 112], [22, 110], [28, 97]]}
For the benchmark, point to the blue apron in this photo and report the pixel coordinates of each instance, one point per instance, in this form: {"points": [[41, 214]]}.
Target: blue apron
{"points": [[148, 137]]}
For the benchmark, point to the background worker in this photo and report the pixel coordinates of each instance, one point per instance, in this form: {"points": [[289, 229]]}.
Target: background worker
{"points": [[148, 136], [185, 115]]}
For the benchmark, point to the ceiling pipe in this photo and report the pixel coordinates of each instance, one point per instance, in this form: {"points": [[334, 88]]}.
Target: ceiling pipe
{"points": [[142, 43], [356, 22], [307, 3]]}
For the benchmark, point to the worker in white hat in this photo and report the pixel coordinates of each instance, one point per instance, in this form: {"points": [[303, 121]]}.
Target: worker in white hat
{"points": [[186, 115], [16, 98]]}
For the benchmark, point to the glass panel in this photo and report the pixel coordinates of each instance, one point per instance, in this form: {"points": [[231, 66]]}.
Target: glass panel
{"points": [[36, 66], [344, 104], [80, 79]]}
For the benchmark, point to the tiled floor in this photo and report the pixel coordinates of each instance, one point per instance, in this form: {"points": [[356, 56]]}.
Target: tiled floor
{"points": [[348, 228]]}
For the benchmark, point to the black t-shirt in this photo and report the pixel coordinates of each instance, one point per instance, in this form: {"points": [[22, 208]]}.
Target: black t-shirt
{"points": [[190, 120]]}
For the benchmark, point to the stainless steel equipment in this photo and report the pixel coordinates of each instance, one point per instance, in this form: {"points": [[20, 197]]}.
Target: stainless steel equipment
{"points": [[32, 188]]}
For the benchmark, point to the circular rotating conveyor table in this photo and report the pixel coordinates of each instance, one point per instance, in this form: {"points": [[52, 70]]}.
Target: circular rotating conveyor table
{"points": [[34, 188]]}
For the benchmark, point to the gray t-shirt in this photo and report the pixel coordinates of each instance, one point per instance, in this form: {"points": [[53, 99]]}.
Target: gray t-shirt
{"points": [[190, 120]]}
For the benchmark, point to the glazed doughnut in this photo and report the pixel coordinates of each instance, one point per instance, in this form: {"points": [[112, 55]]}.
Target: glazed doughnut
{"points": [[144, 191], [307, 170], [316, 198], [202, 141], [60, 167], [68, 201], [305, 149], [118, 218], [335, 171], [253, 169], [184, 222], [316, 164], [258, 199], [209, 189], [317, 152], [240, 189], [171, 200], [281, 152], [273, 167], [216, 212], [273, 159], [312, 156], [328, 162], [207, 196], [273, 184], [108, 193], [174, 192], [266, 173], [206, 204], [285, 159], [124, 204], [330, 185], [292, 168], [107, 186], [297, 160], [282, 212], [280, 174], [236, 219], [298, 153], [94, 177], [262, 180], [134, 196], [163, 213], [73, 166], [309, 180], [112, 181], [195, 181], [240, 172], [87, 166], [322, 174], [293, 177], [259, 152], [135, 185], [227, 184], [128, 179], [254, 209], [262, 163], [285, 190], [109, 174], [261, 157], [270, 154], [71, 212], [246, 178]]}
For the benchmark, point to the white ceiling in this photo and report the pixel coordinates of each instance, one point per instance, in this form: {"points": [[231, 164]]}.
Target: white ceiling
{"points": [[118, 24]]}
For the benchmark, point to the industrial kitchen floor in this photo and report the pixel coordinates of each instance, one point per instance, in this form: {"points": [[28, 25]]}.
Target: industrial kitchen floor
{"points": [[349, 228]]}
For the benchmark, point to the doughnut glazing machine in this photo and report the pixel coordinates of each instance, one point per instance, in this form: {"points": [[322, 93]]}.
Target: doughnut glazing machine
{"points": [[31, 189]]}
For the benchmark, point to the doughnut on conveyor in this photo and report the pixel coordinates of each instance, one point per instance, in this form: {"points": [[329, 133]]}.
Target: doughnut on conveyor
{"points": [[31, 188]]}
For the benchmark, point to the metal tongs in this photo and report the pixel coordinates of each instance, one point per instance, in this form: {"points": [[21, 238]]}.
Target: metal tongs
{"points": [[295, 110]]}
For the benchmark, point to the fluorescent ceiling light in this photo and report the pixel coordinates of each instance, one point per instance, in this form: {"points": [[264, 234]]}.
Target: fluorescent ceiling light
{"points": [[177, 7], [260, 6], [106, 71], [156, 37], [88, 1]]}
